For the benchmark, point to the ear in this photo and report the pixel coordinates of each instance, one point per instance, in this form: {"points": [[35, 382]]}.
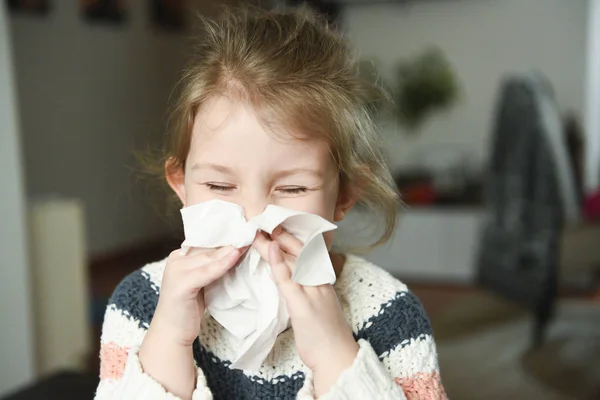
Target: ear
{"points": [[347, 197], [175, 179]]}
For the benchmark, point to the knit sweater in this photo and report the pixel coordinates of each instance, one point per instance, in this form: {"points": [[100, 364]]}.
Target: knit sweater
{"points": [[396, 359]]}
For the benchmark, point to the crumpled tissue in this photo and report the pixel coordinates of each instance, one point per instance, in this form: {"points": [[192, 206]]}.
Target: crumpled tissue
{"points": [[246, 301]]}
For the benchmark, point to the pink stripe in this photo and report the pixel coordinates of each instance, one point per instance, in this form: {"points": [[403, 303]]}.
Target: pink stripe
{"points": [[423, 386], [112, 361]]}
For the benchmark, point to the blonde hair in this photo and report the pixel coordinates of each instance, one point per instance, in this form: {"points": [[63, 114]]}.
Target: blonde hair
{"points": [[295, 71]]}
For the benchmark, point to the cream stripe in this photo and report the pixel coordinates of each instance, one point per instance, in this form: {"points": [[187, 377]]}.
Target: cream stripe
{"points": [[106, 387], [155, 271], [412, 357], [121, 330]]}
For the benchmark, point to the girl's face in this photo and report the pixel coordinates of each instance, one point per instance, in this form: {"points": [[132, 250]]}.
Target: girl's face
{"points": [[234, 158]]}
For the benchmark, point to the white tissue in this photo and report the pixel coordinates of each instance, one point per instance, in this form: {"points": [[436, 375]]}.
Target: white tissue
{"points": [[246, 301]]}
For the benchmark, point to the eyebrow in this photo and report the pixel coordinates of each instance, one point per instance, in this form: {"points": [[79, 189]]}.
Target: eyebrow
{"points": [[215, 167], [297, 171], [280, 174]]}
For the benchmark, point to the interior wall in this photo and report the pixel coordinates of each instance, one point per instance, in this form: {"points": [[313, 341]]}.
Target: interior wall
{"points": [[16, 333], [592, 116], [90, 94], [483, 39]]}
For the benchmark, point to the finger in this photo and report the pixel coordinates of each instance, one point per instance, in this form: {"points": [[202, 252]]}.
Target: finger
{"points": [[281, 272], [202, 254], [194, 251], [217, 254], [288, 242], [282, 276], [207, 274], [261, 244]]}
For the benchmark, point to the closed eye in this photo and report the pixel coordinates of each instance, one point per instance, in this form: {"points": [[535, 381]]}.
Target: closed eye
{"points": [[293, 189], [219, 187]]}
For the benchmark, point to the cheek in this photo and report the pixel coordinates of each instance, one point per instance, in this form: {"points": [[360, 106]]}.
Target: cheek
{"points": [[314, 203], [321, 204], [195, 194]]}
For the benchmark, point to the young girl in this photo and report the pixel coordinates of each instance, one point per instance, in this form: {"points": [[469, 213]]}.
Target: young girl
{"points": [[272, 112]]}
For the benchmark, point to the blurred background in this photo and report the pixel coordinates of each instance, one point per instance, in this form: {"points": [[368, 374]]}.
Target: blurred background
{"points": [[494, 143]]}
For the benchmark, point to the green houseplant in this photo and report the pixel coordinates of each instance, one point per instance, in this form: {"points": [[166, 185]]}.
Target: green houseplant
{"points": [[426, 84]]}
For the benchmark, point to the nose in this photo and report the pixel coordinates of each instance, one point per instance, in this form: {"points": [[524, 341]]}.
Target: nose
{"points": [[253, 207]]}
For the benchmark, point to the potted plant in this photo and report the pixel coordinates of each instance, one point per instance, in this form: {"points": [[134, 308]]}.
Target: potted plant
{"points": [[426, 84]]}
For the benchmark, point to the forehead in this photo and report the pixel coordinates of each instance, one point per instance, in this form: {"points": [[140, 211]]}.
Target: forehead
{"points": [[229, 130]]}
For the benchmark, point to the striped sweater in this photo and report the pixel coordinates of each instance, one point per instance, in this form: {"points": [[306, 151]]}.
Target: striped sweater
{"points": [[396, 359]]}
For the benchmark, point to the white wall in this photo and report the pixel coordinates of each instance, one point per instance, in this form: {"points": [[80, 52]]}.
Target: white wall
{"points": [[16, 334], [90, 94], [592, 116], [483, 39]]}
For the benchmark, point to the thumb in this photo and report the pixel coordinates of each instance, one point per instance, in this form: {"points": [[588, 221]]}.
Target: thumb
{"points": [[292, 293], [279, 269], [290, 290]]}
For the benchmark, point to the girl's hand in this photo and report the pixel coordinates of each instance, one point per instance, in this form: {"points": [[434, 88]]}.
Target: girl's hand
{"points": [[323, 337], [181, 302], [166, 352]]}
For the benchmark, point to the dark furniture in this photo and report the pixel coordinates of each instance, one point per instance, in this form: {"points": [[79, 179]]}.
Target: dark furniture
{"points": [[60, 386]]}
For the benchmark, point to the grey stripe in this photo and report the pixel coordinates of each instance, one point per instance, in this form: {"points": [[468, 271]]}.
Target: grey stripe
{"points": [[227, 384], [398, 322], [136, 296]]}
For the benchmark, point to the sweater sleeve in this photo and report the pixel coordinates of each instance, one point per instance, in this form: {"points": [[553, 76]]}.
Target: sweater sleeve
{"points": [[125, 324], [397, 358], [366, 379]]}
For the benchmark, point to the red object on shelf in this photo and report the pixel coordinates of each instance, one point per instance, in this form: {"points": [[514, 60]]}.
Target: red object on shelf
{"points": [[419, 194], [591, 206]]}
